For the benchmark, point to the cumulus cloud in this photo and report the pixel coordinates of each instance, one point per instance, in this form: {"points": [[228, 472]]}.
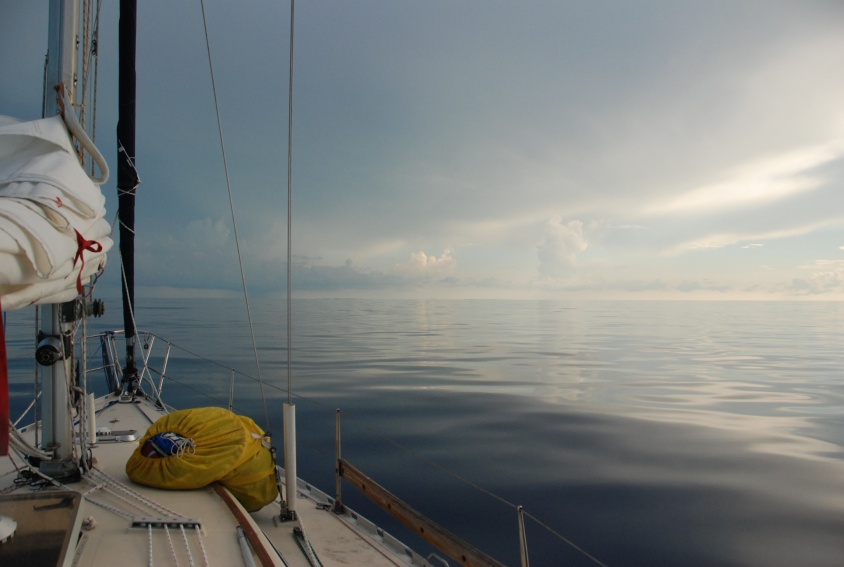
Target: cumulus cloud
{"points": [[422, 264], [560, 246], [827, 277]]}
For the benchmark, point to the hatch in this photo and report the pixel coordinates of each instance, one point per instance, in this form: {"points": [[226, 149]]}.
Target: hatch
{"points": [[45, 524]]}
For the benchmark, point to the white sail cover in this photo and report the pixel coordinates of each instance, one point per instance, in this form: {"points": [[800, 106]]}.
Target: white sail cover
{"points": [[53, 236]]}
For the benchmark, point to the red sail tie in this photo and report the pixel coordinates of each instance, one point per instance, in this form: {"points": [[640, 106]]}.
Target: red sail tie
{"points": [[82, 245]]}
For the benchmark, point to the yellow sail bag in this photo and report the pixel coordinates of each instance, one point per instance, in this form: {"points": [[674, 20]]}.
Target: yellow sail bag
{"points": [[192, 448]]}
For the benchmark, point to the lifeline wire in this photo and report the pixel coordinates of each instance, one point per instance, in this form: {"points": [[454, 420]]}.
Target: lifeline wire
{"points": [[234, 222]]}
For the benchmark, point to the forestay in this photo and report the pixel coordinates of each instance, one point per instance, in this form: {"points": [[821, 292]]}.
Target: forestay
{"points": [[53, 236]]}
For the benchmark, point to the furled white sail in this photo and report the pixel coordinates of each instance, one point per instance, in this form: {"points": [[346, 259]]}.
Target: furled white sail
{"points": [[53, 236]]}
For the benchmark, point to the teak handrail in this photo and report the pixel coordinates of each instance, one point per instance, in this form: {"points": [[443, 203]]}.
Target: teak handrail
{"points": [[459, 550]]}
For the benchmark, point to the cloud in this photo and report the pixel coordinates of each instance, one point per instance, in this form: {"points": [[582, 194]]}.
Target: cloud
{"points": [[723, 239], [828, 277], [423, 264], [760, 181], [206, 234], [703, 285], [825, 265], [422, 270], [185, 293], [197, 254], [308, 277], [631, 227], [416, 160], [560, 246]]}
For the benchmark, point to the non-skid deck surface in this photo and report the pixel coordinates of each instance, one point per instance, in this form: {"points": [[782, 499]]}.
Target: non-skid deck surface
{"points": [[111, 503]]}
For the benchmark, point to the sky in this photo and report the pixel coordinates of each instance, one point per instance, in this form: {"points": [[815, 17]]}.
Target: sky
{"points": [[561, 149]]}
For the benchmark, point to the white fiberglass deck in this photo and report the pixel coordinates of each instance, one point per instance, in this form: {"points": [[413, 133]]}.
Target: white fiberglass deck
{"points": [[111, 504]]}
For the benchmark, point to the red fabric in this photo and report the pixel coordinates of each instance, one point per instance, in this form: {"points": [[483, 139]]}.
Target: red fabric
{"points": [[4, 394], [90, 245]]}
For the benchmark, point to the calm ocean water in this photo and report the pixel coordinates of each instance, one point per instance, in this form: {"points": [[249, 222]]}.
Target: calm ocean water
{"points": [[647, 433]]}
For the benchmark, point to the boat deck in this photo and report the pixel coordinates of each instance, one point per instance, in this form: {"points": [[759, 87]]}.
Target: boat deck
{"points": [[120, 521]]}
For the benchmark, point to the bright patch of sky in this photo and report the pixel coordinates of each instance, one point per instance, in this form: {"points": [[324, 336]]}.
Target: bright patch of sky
{"points": [[566, 148]]}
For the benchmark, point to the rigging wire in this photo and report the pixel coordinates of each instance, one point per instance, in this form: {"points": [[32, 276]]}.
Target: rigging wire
{"points": [[564, 539], [234, 221]]}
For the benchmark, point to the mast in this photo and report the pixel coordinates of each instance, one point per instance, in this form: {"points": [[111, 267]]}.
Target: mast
{"points": [[127, 182], [53, 350]]}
